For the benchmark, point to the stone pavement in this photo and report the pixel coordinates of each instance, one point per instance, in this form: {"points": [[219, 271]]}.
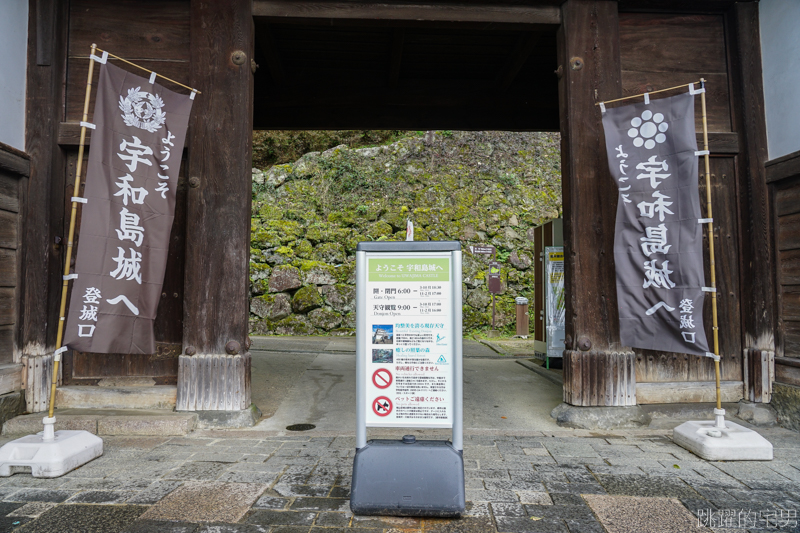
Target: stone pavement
{"points": [[255, 481]]}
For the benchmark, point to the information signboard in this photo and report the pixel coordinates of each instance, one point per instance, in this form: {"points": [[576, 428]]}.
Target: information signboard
{"points": [[409, 334], [409, 375], [554, 300]]}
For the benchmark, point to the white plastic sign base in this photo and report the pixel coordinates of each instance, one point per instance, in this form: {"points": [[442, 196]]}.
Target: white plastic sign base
{"points": [[734, 443], [49, 458]]}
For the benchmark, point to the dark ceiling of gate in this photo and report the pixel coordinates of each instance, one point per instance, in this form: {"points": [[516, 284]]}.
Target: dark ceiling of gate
{"points": [[354, 74]]}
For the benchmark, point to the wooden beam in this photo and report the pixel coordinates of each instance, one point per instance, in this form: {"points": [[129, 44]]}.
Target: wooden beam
{"points": [[15, 161], [269, 48], [783, 167], [396, 56], [402, 117], [756, 250], [589, 60], [43, 193], [676, 6], [517, 60], [688, 392], [542, 14], [219, 171]]}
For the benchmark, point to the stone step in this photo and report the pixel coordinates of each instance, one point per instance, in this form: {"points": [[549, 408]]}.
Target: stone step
{"points": [[104, 422], [153, 397]]}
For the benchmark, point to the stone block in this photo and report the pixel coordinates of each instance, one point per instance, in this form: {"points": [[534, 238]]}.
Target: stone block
{"points": [[154, 397], [244, 418], [757, 414], [154, 425], [786, 402], [32, 424]]}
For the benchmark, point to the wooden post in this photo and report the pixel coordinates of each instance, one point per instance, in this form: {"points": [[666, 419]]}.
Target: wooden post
{"points": [[757, 253], [597, 369], [42, 212], [216, 285]]}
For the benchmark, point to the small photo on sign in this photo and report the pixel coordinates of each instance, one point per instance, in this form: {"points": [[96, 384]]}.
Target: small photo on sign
{"points": [[382, 334], [382, 356]]}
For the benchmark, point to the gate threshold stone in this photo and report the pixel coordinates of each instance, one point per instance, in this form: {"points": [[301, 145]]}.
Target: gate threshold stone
{"points": [[106, 422], [83, 397]]}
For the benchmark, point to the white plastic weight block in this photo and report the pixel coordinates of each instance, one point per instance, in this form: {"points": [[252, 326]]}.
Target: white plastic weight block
{"points": [[730, 443], [42, 457]]}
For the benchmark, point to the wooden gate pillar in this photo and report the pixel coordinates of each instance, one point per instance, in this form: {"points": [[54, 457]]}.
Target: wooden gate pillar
{"points": [[215, 372], [597, 369], [42, 202], [757, 253]]}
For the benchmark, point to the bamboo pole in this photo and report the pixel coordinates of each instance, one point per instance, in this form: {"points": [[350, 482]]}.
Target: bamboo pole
{"points": [[651, 92], [147, 70], [73, 216], [710, 216]]}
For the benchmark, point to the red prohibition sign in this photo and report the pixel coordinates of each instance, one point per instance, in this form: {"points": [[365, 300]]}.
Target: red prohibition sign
{"points": [[382, 406], [382, 378]]}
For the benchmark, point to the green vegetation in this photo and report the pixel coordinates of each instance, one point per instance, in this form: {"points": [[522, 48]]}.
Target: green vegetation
{"points": [[317, 194]]}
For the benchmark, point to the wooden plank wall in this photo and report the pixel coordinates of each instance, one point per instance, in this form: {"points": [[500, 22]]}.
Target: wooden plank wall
{"points": [[14, 171], [156, 36], [784, 177], [663, 50]]}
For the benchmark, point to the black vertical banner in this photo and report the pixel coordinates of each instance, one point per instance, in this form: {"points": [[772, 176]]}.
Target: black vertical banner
{"points": [[131, 179], [652, 155]]}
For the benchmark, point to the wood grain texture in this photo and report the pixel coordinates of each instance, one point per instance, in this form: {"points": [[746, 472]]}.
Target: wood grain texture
{"points": [[688, 392], [787, 199], [40, 258], [759, 373], [9, 226], [457, 12], [10, 377], [8, 301], [153, 35], [784, 167], [220, 147], [595, 378], [590, 31], [9, 192], [791, 338], [7, 344], [663, 50], [8, 267], [788, 232], [13, 161], [756, 249], [790, 303], [214, 382], [79, 69], [38, 370]]}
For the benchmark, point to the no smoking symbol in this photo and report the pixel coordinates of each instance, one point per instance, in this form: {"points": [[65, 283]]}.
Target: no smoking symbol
{"points": [[382, 406], [382, 378]]}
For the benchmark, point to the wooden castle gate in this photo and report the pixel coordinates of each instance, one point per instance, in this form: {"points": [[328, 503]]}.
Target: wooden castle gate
{"points": [[521, 65]]}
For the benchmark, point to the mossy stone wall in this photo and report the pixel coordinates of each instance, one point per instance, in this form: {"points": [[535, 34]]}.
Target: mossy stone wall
{"points": [[476, 187]]}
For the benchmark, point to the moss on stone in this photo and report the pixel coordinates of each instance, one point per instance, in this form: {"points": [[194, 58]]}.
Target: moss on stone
{"points": [[477, 187], [306, 299]]}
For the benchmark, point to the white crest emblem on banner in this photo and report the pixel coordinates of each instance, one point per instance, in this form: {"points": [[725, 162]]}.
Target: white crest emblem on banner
{"points": [[142, 110], [644, 128]]}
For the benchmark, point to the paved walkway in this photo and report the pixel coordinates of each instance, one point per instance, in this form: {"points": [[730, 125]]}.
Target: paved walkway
{"points": [[246, 481], [267, 479]]}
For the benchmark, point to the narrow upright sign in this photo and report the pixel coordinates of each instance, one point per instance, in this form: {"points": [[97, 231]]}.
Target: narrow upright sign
{"points": [[410, 340], [408, 375], [129, 204]]}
